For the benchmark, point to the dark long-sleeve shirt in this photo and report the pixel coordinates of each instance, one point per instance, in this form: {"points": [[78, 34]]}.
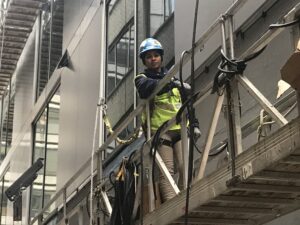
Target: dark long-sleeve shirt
{"points": [[145, 85]]}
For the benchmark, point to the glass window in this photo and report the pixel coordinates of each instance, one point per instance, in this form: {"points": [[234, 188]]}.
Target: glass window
{"points": [[111, 4], [56, 35], [44, 50], [46, 132], [131, 47], [39, 152], [120, 59], [160, 11], [3, 210], [111, 70], [6, 125]]}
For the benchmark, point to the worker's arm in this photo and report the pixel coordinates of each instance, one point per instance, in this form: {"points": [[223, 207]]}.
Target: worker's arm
{"points": [[145, 86]]}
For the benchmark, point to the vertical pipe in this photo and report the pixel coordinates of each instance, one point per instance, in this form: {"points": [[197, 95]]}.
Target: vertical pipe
{"points": [[235, 95], [99, 111], [1, 127], [223, 35], [50, 39], [150, 192], [135, 64], [37, 56], [231, 41], [148, 121], [231, 139], [191, 110]]}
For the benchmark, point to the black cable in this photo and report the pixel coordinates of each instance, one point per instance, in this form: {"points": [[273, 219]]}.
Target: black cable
{"points": [[142, 184], [192, 117], [154, 146], [219, 149]]}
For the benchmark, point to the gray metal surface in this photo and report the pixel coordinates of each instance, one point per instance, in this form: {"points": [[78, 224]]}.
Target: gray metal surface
{"points": [[79, 97], [24, 85]]}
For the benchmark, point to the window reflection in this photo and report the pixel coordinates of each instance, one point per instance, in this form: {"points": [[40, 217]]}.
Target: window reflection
{"points": [[111, 70], [44, 54], [3, 208], [46, 147], [120, 59], [51, 41], [6, 126], [160, 10], [52, 147], [39, 152]]}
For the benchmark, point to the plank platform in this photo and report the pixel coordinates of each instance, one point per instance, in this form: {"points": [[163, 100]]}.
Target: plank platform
{"points": [[266, 187]]}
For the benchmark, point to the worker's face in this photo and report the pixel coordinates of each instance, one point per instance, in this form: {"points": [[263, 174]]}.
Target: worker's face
{"points": [[153, 60]]}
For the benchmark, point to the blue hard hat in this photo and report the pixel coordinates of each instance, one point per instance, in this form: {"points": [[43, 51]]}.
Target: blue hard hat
{"points": [[150, 44]]}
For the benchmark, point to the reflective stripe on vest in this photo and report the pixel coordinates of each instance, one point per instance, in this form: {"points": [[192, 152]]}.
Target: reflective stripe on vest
{"points": [[165, 108]]}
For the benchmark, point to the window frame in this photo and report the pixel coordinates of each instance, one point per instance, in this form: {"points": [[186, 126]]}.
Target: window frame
{"points": [[128, 28], [33, 150]]}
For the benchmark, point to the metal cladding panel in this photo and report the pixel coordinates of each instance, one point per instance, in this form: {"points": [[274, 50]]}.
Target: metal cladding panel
{"points": [[24, 85], [79, 96], [74, 11]]}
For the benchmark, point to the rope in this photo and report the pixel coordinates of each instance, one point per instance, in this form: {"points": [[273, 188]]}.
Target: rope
{"points": [[108, 126]]}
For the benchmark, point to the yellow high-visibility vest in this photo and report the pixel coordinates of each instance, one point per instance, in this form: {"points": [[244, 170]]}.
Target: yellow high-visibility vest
{"points": [[165, 107]]}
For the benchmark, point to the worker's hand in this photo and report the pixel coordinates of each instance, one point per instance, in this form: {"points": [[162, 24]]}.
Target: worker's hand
{"points": [[186, 86], [197, 133]]}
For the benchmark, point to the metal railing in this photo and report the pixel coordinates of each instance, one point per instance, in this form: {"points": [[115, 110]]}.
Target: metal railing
{"points": [[273, 112]]}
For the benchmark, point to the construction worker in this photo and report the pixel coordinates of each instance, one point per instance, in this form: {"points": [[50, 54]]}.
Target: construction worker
{"points": [[164, 106]]}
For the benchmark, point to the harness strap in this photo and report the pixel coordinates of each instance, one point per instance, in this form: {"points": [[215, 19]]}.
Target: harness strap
{"points": [[168, 142], [165, 142]]}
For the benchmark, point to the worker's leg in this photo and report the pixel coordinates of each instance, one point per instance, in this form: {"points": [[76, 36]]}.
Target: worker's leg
{"points": [[166, 153], [179, 163]]}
